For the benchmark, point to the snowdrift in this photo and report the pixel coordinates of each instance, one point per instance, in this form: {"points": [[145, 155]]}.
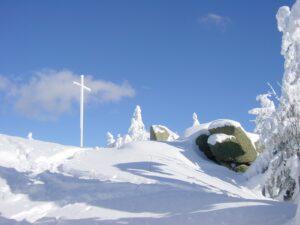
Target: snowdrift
{"points": [[142, 183]]}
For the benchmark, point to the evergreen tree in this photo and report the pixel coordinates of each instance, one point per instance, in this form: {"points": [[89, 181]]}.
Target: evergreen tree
{"points": [[137, 130], [30, 136], [119, 141], [110, 140], [127, 139], [279, 127], [195, 120]]}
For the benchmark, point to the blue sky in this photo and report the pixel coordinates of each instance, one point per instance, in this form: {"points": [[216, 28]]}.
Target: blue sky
{"points": [[210, 56]]}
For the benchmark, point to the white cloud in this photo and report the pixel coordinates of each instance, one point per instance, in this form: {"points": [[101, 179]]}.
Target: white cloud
{"points": [[48, 94], [215, 20], [4, 83]]}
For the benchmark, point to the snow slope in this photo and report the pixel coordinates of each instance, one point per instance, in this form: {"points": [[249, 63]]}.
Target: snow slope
{"points": [[141, 183]]}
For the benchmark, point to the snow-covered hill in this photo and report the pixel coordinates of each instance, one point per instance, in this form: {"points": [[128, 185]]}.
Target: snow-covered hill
{"points": [[142, 183]]}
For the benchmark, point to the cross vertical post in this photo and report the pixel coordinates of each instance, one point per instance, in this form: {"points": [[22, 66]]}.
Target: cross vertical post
{"points": [[82, 88]]}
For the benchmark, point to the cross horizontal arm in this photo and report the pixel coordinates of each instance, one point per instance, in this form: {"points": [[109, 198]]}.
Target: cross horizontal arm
{"points": [[85, 87]]}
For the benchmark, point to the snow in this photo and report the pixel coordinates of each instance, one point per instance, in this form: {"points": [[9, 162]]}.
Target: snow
{"points": [[195, 129], [196, 126], [143, 182], [253, 137], [297, 217], [222, 123], [219, 138], [210, 125]]}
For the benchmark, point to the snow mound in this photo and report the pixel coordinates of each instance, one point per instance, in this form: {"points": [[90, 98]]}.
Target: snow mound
{"points": [[194, 129], [144, 182], [223, 123]]}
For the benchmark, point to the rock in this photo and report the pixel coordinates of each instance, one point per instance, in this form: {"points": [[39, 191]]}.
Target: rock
{"points": [[226, 148], [255, 141], [201, 141], [228, 144], [162, 133], [240, 149], [241, 168]]}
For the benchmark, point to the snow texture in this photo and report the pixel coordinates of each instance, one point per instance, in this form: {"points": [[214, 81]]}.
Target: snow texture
{"points": [[195, 129], [222, 123], [141, 183]]}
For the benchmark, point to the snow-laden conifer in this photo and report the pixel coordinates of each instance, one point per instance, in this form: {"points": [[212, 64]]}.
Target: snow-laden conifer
{"points": [[127, 139], [137, 130], [279, 126], [195, 120], [30, 136], [119, 141], [110, 140]]}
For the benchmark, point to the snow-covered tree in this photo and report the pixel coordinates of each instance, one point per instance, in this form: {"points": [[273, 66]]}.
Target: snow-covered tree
{"points": [[194, 128], [110, 140], [127, 139], [137, 130], [265, 125], [279, 127], [119, 141], [264, 117], [30, 136], [195, 120]]}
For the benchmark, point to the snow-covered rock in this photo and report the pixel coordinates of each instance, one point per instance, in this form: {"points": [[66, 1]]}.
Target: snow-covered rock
{"points": [[162, 133], [226, 142], [229, 127]]}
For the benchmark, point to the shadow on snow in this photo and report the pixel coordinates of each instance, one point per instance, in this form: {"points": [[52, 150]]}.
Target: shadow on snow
{"points": [[180, 202]]}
